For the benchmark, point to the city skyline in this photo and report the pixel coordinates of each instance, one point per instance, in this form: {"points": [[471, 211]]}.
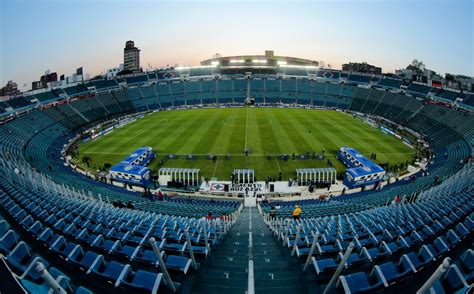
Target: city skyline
{"points": [[61, 37]]}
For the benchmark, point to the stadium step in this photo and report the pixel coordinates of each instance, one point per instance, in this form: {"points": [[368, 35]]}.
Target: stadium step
{"points": [[275, 271], [227, 270]]}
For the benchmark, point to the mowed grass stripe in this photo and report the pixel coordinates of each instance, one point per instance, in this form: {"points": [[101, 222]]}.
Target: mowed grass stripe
{"points": [[270, 143], [325, 142], [285, 144], [179, 135], [206, 134], [236, 135], [300, 133], [220, 143], [254, 136]]}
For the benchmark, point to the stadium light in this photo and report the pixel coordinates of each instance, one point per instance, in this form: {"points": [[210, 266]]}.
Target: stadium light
{"points": [[300, 66], [237, 60], [191, 67], [280, 62], [215, 63], [259, 61]]}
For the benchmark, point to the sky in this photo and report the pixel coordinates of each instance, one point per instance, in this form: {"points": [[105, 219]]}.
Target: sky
{"points": [[62, 35]]}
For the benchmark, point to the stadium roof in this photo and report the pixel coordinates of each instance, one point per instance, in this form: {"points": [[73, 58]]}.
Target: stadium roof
{"points": [[268, 59]]}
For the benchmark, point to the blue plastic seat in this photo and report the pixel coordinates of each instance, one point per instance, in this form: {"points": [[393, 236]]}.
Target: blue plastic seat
{"points": [[113, 272], [178, 263], [104, 245], [22, 261], [375, 254], [394, 247], [57, 275], [124, 250], [392, 273], [172, 247], [64, 249], [142, 280], [438, 248], [453, 281], [469, 224], [324, 265], [8, 242], [147, 256], [36, 229], [59, 225], [360, 283], [451, 239], [466, 265], [328, 248], [27, 221], [47, 238], [418, 261], [204, 251], [84, 260], [355, 259], [4, 227], [461, 231]]}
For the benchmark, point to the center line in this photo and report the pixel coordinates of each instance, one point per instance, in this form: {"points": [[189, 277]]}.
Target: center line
{"points": [[246, 127]]}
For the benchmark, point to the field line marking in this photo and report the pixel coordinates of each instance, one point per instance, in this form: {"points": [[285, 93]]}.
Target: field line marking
{"points": [[215, 168], [246, 128], [278, 164]]}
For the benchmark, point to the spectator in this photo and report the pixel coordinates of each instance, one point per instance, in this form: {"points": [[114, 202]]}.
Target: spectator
{"points": [[297, 212], [273, 212], [130, 205], [209, 216], [160, 195]]}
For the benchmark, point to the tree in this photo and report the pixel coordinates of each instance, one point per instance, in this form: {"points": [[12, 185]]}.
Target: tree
{"points": [[418, 64]]}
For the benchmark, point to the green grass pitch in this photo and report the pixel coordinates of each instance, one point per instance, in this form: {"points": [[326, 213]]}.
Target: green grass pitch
{"points": [[269, 132]]}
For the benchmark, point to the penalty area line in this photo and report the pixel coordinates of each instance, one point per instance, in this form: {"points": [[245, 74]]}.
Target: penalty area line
{"points": [[215, 168]]}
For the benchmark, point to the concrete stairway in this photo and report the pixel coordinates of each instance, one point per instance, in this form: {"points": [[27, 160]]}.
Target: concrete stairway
{"points": [[275, 271]]}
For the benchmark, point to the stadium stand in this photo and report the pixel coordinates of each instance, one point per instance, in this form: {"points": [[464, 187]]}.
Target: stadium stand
{"points": [[390, 83], [64, 222]]}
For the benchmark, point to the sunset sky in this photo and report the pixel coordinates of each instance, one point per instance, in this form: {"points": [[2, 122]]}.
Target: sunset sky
{"points": [[62, 35]]}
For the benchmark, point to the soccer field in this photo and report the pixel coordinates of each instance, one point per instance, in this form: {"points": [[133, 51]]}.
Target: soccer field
{"points": [[268, 132]]}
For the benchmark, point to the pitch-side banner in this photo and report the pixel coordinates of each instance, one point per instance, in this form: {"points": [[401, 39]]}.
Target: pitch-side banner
{"points": [[242, 188]]}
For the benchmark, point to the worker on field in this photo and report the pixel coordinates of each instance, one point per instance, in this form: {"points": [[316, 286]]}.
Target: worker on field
{"points": [[297, 212]]}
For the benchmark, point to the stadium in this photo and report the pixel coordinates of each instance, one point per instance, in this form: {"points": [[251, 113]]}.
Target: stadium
{"points": [[244, 174]]}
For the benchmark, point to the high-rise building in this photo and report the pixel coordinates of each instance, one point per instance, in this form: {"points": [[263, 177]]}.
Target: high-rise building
{"points": [[11, 88], [44, 80], [362, 68], [131, 57]]}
